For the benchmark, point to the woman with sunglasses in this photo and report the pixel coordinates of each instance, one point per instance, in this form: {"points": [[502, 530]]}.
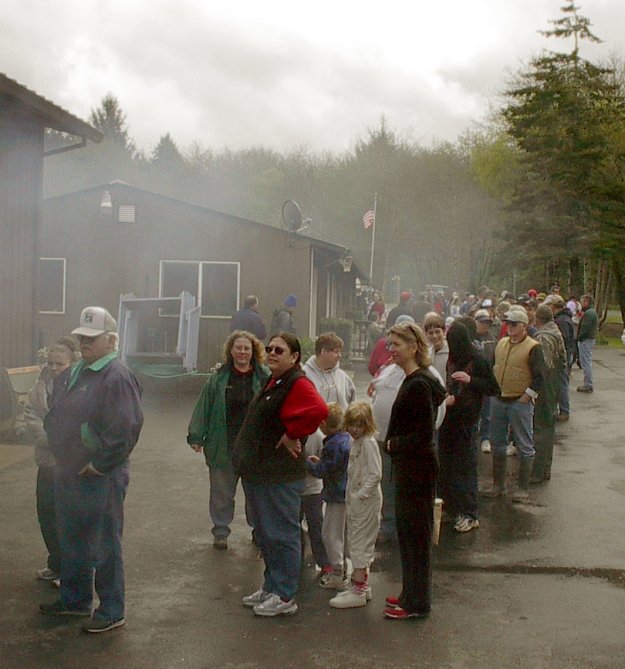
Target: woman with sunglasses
{"points": [[217, 419], [269, 457]]}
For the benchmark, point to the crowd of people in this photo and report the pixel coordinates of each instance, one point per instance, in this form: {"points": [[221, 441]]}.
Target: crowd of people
{"points": [[450, 378]]}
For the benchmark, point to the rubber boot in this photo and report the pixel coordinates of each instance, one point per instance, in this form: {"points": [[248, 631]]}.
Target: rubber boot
{"points": [[498, 489], [522, 494]]}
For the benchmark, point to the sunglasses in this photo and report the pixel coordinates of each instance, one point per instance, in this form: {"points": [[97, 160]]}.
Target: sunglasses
{"points": [[279, 350]]}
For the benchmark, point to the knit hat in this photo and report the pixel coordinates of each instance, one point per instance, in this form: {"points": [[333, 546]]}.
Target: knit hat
{"points": [[290, 300], [404, 318]]}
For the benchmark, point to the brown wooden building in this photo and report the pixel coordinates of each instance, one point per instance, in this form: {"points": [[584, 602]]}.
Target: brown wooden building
{"points": [[115, 239], [24, 116]]}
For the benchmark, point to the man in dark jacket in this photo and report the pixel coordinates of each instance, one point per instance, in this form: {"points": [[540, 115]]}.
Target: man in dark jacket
{"points": [[586, 335], [92, 426], [249, 319], [562, 318]]}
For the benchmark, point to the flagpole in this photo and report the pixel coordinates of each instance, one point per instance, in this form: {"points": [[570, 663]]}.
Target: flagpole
{"points": [[375, 212]]}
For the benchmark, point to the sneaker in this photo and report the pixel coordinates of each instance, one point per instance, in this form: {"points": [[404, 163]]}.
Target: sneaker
{"points": [[255, 598], [368, 593], [584, 389], [333, 582], [350, 599], [275, 606], [466, 524], [56, 583], [47, 574], [59, 608], [485, 446], [392, 602], [220, 543], [401, 614], [511, 450], [96, 625]]}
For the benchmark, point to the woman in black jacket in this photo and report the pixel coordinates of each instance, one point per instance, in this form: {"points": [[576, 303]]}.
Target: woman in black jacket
{"points": [[469, 379], [410, 443]]}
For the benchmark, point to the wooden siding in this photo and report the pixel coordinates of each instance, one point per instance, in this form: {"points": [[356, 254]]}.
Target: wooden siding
{"points": [[106, 258], [21, 176]]}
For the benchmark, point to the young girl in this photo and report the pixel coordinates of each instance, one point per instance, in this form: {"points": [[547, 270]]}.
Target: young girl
{"points": [[363, 498]]}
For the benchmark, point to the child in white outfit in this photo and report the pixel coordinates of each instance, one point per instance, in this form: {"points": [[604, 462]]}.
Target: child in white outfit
{"points": [[363, 498]]}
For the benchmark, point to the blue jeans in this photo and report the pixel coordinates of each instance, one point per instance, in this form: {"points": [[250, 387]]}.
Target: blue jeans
{"points": [[90, 517], [312, 508], [518, 417], [485, 419], [563, 396], [388, 525], [275, 509], [585, 359], [223, 487]]}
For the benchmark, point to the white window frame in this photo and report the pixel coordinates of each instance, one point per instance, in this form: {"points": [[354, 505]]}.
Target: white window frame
{"points": [[64, 290], [198, 293]]}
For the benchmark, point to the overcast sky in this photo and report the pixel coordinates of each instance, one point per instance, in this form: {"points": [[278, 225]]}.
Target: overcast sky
{"points": [[281, 73]]}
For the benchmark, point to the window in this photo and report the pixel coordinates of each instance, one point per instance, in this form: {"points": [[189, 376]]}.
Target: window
{"points": [[126, 213], [214, 284], [51, 285]]}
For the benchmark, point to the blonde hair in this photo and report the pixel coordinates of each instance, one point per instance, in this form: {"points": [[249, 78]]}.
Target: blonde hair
{"points": [[258, 351], [359, 413], [411, 333], [334, 421]]}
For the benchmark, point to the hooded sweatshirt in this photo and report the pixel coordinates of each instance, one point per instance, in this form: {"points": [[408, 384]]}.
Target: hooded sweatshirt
{"points": [[334, 385]]}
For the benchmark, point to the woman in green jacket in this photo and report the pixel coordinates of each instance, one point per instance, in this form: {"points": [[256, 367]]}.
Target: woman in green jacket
{"points": [[217, 419]]}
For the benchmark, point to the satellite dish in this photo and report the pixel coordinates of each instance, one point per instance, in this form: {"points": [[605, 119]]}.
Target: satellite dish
{"points": [[291, 216]]}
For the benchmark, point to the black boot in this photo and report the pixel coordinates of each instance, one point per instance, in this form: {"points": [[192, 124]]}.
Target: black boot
{"points": [[498, 489]]}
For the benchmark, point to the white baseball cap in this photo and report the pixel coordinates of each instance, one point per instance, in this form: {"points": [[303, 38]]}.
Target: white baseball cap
{"points": [[95, 321]]}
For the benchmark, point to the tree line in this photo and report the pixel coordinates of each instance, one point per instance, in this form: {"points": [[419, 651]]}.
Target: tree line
{"points": [[531, 197]]}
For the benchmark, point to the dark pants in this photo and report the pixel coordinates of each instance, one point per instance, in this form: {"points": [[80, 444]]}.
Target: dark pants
{"points": [[46, 513], [312, 509], [90, 513], [544, 436], [387, 523], [275, 509], [457, 477], [414, 511]]}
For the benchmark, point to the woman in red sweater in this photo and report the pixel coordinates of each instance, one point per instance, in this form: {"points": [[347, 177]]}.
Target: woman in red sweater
{"points": [[269, 457]]}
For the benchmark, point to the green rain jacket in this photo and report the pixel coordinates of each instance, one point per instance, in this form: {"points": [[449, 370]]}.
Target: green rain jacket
{"points": [[208, 422]]}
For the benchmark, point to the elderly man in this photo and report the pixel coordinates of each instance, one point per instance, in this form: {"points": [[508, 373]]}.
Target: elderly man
{"points": [[562, 317], [587, 329], [518, 368], [93, 425], [249, 319], [486, 343], [554, 352]]}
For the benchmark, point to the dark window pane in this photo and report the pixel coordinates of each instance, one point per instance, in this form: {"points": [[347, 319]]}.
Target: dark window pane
{"points": [[176, 277], [219, 288], [52, 285]]}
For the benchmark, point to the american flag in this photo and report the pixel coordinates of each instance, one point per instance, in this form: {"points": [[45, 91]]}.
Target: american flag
{"points": [[368, 219]]}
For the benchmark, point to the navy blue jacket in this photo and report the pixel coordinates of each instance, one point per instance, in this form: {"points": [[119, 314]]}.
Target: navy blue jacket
{"points": [[97, 419], [332, 466]]}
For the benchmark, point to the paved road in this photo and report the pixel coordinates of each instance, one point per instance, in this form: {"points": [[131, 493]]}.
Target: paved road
{"points": [[535, 587]]}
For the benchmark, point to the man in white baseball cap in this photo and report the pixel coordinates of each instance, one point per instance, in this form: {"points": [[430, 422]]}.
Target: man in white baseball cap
{"points": [[92, 426]]}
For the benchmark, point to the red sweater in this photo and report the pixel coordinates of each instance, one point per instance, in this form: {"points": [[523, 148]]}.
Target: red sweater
{"points": [[303, 409]]}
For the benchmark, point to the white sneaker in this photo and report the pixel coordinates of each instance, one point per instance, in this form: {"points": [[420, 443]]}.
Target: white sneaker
{"points": [[255, 598], [485, 446], [46, 574], [333, 582], [511, 450], [274, 606], [466, 524], [349, 599]]}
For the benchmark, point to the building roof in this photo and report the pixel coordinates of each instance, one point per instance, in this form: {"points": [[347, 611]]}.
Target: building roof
{"points": [[52, 115]]}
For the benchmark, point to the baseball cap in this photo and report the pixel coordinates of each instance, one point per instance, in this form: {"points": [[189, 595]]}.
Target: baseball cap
{"points": [[95, 321], [482, 315], [556, 300], [517, 316], [487, 303]]}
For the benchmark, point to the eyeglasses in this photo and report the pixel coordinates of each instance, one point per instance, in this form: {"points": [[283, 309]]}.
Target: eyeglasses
{"points": [[277, 349]]}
